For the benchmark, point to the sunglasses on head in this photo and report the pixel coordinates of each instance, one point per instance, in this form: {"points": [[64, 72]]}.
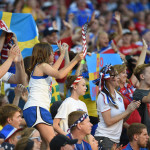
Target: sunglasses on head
{"points": [[38, 138]]}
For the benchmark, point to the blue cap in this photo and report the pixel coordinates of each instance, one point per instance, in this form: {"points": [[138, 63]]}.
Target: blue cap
{"points": [[7, 132]]}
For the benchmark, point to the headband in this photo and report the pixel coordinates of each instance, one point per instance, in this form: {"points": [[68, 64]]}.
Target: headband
{"points": [[82, 118], [32, 132], [78, 79], [102, 76]]}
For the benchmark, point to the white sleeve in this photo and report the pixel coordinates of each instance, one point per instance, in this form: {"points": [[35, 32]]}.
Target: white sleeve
{"points": [[6, 77], [85, 108], [101, 105], [62, 111]]}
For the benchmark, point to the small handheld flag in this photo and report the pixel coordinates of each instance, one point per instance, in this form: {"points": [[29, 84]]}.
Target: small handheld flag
{"points": [[84, 31]]}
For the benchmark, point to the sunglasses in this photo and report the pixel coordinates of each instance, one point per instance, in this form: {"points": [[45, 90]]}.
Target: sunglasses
{"points": [[38, 138], [114, 75]]}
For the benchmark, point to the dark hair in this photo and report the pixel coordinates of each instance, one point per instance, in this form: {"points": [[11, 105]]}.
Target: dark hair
{"points": [[70, 80], [40, 54], [7, 111], [140, 70], [135, 128], [71, 56], [27, 65]]}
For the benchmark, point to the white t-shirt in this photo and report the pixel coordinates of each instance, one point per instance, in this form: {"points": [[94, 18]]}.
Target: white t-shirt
{"points": [[69, 105], [113, 132], [5, 78]]}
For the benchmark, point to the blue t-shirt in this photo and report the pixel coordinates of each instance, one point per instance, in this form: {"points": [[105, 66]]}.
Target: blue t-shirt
{"points": [[81, 16], [83, 146], [130, 148]]}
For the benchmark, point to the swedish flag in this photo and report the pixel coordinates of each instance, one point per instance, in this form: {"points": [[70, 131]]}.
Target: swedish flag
{"points": [[23, 25]]}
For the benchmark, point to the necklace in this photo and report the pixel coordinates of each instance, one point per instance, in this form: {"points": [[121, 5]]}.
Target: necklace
{"points": [[71, 136], [82, 146]]}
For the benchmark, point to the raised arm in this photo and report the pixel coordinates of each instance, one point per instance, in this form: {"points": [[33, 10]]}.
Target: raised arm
{"points": [[2, 39], [63, 48], [20, 76], [48, 70], [140, 61], [18, 92], [117, 18], [13, 52]]}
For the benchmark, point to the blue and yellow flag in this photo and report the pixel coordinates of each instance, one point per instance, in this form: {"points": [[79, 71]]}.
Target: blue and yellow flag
{"points": [[99, 61], [23, 25]]}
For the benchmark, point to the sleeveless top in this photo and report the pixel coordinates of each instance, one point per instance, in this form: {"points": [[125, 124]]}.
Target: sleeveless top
{"points": [[40, 90]]}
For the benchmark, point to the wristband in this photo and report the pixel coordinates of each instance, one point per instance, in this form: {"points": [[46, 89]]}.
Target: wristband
{"points": [[82, 61]]}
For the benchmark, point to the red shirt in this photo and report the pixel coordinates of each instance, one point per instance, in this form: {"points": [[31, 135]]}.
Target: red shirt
{"points": [[127, 92], [108, 49], [140, 26], [127, 50], [67, 40]]}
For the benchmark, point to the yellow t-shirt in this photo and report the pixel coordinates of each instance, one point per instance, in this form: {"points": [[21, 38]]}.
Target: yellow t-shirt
{"points": [[91, 105], [55, 92], [1, 127]]}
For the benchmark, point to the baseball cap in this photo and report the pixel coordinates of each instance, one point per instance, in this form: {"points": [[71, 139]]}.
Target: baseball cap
{"points": [[126, 31], [61, 140], [49, 31], [8, 131]]}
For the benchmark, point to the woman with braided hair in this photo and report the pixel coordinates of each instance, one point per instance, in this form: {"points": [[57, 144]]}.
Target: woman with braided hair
{"points": [[77, 86], [110, 108]]}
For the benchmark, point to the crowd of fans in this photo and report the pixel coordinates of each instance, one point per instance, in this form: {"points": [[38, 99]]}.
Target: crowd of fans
{"points": [[50, 106]]}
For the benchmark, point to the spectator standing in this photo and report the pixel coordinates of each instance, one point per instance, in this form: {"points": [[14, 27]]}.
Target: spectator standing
{"points": [[110, 108], [36, 110], [77, 87], [143, 92]]}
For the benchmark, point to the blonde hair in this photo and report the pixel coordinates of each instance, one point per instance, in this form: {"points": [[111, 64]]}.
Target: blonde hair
{"points": [[28, 132], [120, 68], [98, 37], [140, 70]]}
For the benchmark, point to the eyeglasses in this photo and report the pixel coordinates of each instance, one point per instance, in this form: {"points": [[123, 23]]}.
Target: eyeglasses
{"points": [[38, 138]]}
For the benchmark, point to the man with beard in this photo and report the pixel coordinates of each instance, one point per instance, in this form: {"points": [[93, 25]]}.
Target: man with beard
{"points": [[138, 137]]}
